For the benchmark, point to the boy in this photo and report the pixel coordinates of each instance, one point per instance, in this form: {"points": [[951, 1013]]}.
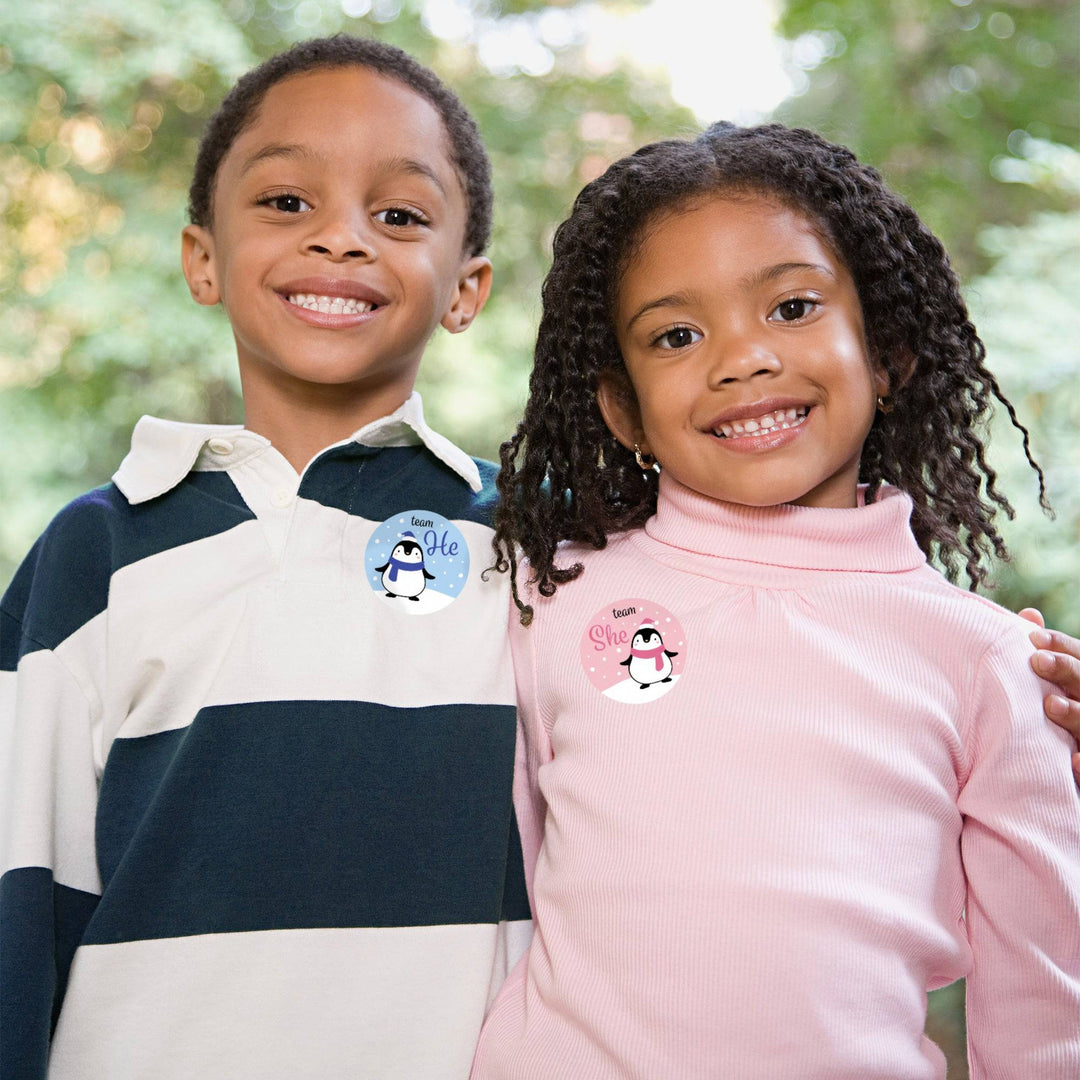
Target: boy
{"points": [[258, 750]]}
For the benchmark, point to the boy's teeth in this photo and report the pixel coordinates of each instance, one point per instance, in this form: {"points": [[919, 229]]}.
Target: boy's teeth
{"points": [[762, 425], [331, 305]]}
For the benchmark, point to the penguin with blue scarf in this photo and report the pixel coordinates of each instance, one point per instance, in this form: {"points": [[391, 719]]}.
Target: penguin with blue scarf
{"points": [[404, 573]]}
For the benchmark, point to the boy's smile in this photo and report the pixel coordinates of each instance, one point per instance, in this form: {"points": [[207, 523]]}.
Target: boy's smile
{"points": [[336, 243], [332, 301], [743, 339]]}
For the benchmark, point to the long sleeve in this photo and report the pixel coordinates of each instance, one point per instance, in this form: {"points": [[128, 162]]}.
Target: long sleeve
{"points": [[50, 885], [1021, 852], [533, 749]]}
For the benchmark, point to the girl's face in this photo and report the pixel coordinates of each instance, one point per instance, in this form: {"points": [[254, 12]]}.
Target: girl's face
{"points": [[742, 334]]}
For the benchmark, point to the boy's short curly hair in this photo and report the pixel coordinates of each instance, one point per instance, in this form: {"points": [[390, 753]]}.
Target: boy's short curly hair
{"points": [[238, 111], [565, 477]]}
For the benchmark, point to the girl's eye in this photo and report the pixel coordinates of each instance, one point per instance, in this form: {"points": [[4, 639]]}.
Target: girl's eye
{"points": [[792, 310], [287, 204], [399, 217], [678, 337]]}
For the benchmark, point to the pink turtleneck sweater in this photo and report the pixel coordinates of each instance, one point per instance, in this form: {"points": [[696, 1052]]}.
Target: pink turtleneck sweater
{"points": [[846, 795]]}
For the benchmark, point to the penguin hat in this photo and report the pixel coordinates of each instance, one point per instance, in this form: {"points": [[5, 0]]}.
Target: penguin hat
{"points": [[649, 662], [404, 573]]}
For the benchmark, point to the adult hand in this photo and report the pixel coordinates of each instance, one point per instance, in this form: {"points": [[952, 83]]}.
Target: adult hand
{"points": [[1058, 661]]}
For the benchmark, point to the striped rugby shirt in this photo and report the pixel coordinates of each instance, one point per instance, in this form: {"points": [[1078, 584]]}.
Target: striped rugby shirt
{"points": [[256, 747]]}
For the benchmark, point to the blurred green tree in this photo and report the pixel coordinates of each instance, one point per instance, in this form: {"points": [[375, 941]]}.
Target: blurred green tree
{"points": [[963, 105]]}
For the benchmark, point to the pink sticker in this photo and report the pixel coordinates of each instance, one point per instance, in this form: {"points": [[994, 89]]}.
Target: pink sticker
{"points": [[633, 650]]}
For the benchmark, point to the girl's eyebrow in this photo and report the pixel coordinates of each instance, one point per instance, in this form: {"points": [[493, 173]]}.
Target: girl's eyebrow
{"points": [[750, 281], [766, 274], [671, 300]]}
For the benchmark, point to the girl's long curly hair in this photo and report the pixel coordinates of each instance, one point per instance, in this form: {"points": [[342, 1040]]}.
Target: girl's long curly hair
{"points": [[565, 476]]}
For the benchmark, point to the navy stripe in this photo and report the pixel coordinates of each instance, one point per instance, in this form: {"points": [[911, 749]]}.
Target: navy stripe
{"points": [[394, 479], [64, 581], [41, 924], [515, 896], [306, 814], [10, 639]]}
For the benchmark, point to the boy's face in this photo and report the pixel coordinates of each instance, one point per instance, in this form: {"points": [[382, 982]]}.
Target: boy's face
{"points": [[336, 245]]}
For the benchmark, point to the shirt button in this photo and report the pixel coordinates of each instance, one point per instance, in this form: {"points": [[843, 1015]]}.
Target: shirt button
{"points": [[220, 446], [281, 498]]}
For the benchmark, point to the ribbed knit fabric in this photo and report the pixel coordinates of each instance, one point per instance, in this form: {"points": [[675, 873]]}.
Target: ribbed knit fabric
{"points": [[760, 873]]}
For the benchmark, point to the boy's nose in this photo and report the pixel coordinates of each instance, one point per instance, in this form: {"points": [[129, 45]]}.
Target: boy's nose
{"points": [[341, 239]]}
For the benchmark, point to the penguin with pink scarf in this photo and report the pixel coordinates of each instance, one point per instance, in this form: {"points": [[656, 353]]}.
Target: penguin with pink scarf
{"points": [[649, 662]]}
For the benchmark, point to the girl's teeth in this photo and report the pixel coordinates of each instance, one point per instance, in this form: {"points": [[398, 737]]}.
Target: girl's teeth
{"points": [[762, 425], [331, 305]]}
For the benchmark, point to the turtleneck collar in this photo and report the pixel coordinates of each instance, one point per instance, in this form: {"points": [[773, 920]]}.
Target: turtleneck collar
{"points": [[874, 538]]}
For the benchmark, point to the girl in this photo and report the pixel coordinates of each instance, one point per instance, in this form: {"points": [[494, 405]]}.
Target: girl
{"points": [[756, 409]]}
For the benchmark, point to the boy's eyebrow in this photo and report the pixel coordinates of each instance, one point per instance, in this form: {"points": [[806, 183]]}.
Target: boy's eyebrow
{"points": [[415, 168], [297, 150], [273, 150]]}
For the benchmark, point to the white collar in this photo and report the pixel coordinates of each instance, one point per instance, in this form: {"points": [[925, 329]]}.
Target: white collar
{"points": [[163, 452]]}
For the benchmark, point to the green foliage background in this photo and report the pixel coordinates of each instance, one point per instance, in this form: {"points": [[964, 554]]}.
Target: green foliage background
{"points": [[969, 107]]}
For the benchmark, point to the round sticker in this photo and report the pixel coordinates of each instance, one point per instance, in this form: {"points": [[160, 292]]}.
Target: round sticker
{"points": [[417, 562], [633, 650]]}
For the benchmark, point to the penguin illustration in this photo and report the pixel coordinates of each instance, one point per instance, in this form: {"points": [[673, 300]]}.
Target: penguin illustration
{"points": [[403, 574], [649, 662]]}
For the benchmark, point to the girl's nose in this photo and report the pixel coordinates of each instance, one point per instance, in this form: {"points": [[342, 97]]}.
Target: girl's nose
{"points": [[342, 237], [740, 359]]}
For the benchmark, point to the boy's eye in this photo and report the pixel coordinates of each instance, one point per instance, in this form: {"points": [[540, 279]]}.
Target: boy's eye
{"points": [[792, 310], [287, 204], [678, 337], [399, 217]]}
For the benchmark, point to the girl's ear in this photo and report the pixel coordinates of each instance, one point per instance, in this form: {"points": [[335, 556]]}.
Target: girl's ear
{"points": [[470, 294], [882, 382], [904, 366], [200, 269], [619, 408]]}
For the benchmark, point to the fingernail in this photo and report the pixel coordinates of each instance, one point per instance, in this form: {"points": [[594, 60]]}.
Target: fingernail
{"points": [[1040, 639], [1057, 706], [1044, 662]]}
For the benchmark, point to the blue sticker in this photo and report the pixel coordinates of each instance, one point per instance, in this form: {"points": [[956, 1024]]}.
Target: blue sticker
{"points": [[417, 562]]}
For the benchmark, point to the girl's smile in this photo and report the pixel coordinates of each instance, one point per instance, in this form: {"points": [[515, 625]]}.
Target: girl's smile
{"points": [[742, 335], [764, 425]]}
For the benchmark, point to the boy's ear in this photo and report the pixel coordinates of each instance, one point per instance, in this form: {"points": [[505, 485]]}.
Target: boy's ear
{"points": [[470, 294], [619, 408], [200, 269]]}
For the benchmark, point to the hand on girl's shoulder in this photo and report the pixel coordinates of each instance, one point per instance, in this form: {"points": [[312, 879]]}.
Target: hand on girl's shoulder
{"points": [[1057, 660]]}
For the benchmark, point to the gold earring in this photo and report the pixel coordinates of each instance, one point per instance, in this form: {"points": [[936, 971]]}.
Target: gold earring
{"points": [[884, 405], [651, 465]]}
